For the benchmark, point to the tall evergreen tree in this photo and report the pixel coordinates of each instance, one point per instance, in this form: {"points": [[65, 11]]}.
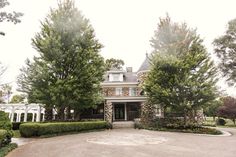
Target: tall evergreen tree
{"points": [[69, 69], [182, 77], [225, 48]]}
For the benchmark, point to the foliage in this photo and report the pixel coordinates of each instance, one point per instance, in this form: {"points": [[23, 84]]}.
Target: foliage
{"points": [[182, 76], [39, 129], [211, 110], [17, 98], [5, 150], [68, 72], [5, 137], [9, 17], [6, 91], [225, 48], [228, 110], [16, 125], [5, 121], [220, 121], [114, 64], [2, 69], [178, 125]]}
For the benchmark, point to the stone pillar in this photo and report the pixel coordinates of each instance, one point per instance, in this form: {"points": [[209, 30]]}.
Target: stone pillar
{"points": [[19, 119], [12, 113], [108, 112], [147, 113], [38, 114]]}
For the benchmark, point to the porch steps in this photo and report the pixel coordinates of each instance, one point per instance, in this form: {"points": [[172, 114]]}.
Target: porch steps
{"points": [[120, 125]]}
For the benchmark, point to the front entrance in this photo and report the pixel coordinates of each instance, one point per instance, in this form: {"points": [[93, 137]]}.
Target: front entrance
{"points": [[119, 111]]}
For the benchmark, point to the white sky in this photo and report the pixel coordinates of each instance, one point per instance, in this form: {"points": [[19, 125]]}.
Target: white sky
{"points": [[124, 27]]}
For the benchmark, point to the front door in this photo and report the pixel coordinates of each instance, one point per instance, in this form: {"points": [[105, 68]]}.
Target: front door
{"points": [[119, 111]]}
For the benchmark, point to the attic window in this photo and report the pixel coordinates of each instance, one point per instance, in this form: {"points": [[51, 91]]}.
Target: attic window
{"points": [[116, 77]]}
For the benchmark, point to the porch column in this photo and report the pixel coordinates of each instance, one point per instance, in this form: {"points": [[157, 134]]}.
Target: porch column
{"points": [[26, 114], [17, 117], [108, 112], [32, 117], [125, 111], [12, 113], [38, 114]]}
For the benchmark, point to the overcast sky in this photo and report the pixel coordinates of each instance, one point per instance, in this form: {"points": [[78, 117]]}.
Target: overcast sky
{"points": [[124, 27]]}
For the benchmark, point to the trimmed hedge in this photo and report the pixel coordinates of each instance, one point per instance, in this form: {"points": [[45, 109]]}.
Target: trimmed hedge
{"points": [[5, 150], [5, 137], [39, 129]]}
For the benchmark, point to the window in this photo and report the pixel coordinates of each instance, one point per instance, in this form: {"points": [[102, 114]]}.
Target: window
{"points": [[116, 77], [132, 91], [118, 91]]}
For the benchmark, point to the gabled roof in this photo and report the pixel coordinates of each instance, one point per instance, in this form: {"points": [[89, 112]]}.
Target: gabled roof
{"points": [[146, 64]]}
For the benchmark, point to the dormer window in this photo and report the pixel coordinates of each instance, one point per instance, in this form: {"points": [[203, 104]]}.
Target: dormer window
{"points": [[117, 77]]}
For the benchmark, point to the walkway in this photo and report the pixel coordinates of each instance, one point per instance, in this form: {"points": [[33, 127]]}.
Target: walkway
{"points": [[130, 142]]}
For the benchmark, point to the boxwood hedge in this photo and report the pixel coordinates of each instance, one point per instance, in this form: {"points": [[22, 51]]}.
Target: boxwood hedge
{"points": [[39, 129], [5, 137]]}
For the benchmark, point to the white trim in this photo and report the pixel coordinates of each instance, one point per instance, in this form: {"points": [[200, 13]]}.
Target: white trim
{"points": [[104, 84], [125, 112]]}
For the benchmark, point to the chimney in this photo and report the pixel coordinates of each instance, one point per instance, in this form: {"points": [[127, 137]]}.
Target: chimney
{"points": [[129, 69]]}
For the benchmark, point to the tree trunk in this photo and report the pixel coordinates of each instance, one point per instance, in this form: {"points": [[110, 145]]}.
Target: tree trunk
{"points": [[61, 114], [77, 115], [68, 113], [214, 118], [48, 113]]}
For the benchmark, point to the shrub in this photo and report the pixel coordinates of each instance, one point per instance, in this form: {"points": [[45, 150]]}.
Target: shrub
{"points": [[39, 129], [16, 125], [220, 121], [5, 121], [5, 150], [5, 137]]}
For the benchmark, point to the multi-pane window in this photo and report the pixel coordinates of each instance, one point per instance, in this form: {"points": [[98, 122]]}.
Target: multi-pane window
{"points": [[118, 91], [116, 77], [132, 91]]}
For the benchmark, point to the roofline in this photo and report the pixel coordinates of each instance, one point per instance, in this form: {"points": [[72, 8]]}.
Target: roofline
{"points": [[142, 71]]}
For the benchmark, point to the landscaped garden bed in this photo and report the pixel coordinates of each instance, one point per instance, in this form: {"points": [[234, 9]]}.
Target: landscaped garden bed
{"points": [[177, 125], [58, 128]]}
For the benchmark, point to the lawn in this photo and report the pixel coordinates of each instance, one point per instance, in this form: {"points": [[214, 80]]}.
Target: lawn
{"points": [[210, 122]]}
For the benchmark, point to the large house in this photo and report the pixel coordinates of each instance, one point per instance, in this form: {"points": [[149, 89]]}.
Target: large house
{"points": [[123, 95]]}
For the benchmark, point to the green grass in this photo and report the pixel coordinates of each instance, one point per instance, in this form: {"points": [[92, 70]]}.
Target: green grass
{"points": [[210, 122], [5, 150], [16, 133]]}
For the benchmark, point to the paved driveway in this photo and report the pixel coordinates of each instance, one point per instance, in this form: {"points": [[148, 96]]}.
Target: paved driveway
{"points": [[130, 143]]}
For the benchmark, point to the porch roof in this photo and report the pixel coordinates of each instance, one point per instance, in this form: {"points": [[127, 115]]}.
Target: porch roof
{"points": [[126, 99]]}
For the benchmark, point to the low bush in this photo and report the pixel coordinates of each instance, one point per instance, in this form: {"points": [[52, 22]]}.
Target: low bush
{"points": [[16, 125], [5, 150], [5, 121], [5, 137], [39, 129], [220, 121], [178, 125]]}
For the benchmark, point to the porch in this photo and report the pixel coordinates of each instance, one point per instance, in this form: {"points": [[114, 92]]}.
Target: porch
{"points": [[118, 109]]}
